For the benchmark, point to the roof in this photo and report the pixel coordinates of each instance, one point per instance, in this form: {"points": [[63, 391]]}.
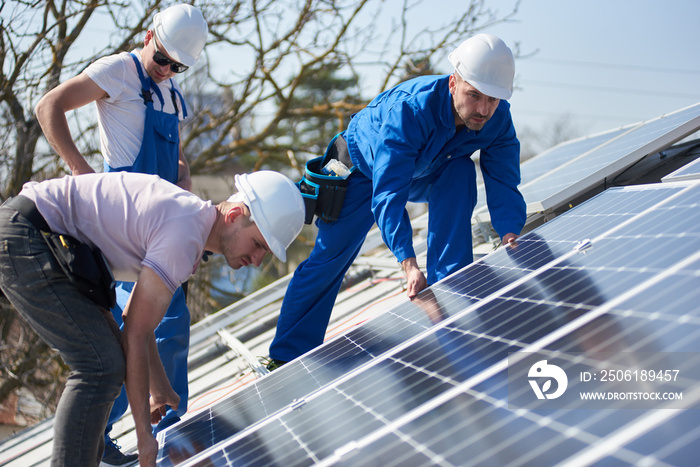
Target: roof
{"points": [[376, 390]]}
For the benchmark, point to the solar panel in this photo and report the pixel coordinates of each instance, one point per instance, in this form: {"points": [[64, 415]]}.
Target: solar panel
{"points": [[563, 153], [440, 380], [575, 177], [554, 157], [690, 171], [577, 166]]}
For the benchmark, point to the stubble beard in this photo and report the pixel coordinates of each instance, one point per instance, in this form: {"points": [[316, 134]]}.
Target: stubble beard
{"points": [[474, 126]]}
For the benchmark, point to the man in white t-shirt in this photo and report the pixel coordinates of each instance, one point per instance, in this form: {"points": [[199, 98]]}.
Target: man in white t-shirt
{"points": [[172, 45], [150, 232], [139, 108]]}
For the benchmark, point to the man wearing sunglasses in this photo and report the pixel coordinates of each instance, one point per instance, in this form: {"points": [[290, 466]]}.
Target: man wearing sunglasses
{"points": [[139, 109]]}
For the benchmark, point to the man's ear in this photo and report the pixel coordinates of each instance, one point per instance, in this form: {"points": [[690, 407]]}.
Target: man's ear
{"points": [[233, 213], [452, 83], [148, 38]]}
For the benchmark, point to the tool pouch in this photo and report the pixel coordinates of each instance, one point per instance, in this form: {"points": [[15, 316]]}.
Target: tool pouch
{"points": [[324, 194], [86, 268]]}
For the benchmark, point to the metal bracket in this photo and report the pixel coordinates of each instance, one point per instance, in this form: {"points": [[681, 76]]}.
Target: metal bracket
{"points": [[238, 347]]}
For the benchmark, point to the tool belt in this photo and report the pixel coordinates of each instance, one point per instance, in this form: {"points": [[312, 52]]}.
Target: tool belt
{"points": [[85, 267], [324, 194]]}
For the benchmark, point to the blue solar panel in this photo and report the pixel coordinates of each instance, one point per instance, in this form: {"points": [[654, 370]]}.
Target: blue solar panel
{"points": [[427, 382], [555, 157], [690, 171], [563, 153], [608, 159]]}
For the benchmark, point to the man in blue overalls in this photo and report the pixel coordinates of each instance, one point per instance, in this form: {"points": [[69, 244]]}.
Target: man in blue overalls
{"points": [[413, 143], [139, 110]]}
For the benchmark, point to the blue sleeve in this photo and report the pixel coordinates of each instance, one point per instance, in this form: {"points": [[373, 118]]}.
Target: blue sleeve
{"points": [[400, 138], [500, 166]]}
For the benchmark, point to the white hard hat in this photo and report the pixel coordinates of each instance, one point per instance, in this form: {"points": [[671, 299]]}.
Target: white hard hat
{"points": [[485, 62], [182, 31], [276, 207]]}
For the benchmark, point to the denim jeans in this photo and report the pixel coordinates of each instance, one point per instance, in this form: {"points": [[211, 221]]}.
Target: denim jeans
{"points": [[86, 337]]}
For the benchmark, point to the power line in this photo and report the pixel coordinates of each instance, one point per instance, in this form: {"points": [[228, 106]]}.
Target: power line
{"points": [[574, 115], [618, 66], [589, 87]]}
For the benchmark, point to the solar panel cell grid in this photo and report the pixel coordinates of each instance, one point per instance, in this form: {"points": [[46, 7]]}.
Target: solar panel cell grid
{"points": [[562, 153]]}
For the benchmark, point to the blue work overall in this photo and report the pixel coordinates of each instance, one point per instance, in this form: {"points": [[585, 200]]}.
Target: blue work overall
{"points": [[313, 289], [159, 155]]}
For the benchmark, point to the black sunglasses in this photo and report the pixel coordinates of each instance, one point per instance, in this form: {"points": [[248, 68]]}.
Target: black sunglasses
{"points": [[162, 60]]}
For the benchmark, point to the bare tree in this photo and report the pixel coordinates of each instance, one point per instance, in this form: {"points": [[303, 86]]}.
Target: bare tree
{"points": [[250, 94], [260, 54]]}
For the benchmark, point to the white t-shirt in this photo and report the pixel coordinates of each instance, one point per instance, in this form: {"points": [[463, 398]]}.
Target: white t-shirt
{"points": [[135, 219], [121, 116]]}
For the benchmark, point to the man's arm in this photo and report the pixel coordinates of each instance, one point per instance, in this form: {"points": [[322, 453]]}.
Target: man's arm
{"points": [[51, 113], [184, 180], [500, 167], [147, 306], [162, 393], [396, 149]]}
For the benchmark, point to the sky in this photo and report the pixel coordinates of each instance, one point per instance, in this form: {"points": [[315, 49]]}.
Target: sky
{"points": [[600, 64], [603, 63]]}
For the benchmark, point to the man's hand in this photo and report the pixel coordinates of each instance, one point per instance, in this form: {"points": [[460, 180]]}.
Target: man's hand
{"points": [[509, 239], [427, 301], [158, 403], [148, 450], [415, 280]]}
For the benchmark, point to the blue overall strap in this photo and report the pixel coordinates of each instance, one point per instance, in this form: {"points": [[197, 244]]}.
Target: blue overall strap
{"points": [[173, 93], [147, 85], [159, 151]]}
